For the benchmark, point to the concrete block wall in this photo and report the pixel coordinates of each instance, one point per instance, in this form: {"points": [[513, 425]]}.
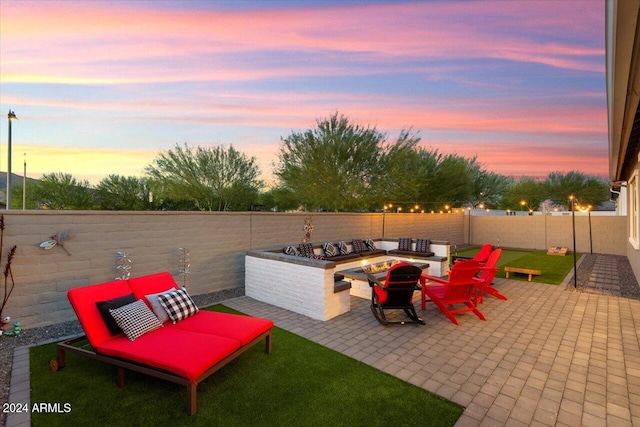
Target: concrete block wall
{"points": [[608, 233], [218, 242], [448, 227]]}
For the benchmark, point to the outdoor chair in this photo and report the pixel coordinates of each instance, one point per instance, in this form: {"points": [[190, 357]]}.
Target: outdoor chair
{"points": [[460, 288], [485, 279], [395, 292], [481, 257]]}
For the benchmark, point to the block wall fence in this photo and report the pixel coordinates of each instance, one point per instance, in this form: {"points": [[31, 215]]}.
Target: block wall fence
{"points": [[218, 241]]}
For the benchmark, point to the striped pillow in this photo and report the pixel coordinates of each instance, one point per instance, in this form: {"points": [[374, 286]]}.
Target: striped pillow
{"points": [[404, 244]]}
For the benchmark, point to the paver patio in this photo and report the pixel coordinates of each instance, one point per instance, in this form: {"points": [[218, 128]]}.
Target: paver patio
{"points": [[549, 356]]}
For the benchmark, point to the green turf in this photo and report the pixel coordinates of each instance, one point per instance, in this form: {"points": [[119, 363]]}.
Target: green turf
{"points": [[554, 268], [300, 384]]}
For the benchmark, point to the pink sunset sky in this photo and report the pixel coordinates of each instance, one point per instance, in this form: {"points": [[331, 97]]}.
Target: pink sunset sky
{"points": [[101, 87]]}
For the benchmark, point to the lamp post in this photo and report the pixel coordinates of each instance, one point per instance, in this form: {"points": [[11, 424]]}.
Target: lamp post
{"points": [[573, 220], [590, 234], [11, 116]]}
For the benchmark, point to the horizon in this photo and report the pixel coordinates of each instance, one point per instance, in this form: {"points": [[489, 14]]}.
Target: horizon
{"points": [[519, 85]]}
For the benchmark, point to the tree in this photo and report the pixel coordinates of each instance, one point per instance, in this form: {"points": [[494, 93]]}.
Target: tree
{"points": [[335, 166], [117, 192], [588, 190], [62, 191], [212, 178], [529, 191]]}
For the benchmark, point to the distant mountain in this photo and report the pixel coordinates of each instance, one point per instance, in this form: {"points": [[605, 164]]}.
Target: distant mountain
{"points": [[15, 180]]}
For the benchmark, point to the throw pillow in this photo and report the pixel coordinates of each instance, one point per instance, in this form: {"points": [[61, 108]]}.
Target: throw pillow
{"points": [[135, 319], [306, 249], [105, 306], [329, 249], [178, 304], [358, 245], [342, 247], [370, 245], [291, 250], [404, 244], [423, 245], [157, 308]]}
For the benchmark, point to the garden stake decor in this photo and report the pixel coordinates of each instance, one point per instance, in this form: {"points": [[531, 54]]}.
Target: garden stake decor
{"points": [[9, 283]]}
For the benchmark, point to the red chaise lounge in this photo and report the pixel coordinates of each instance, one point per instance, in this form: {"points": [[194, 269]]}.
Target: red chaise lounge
{"points": [[185, 352]]}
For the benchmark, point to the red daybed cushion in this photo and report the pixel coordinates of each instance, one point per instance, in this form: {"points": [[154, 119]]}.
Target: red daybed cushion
{"points": [[233, 326], [151, 284], [187, 354], [83, 300]]}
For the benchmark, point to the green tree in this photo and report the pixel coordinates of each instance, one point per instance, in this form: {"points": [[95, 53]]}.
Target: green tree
{"points": [[62, 191], [212, 178], [334, 166], [588, 190], [279, 199], [527, 190], [124, 193]]}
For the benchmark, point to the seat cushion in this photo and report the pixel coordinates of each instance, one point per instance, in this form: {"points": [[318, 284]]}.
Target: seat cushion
{"points": [[151, 284], [184, 353], [84, 299], [233, 326]]}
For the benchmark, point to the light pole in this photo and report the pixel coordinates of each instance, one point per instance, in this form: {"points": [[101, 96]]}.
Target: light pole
{"points": [[573, 220], [11, 116]]}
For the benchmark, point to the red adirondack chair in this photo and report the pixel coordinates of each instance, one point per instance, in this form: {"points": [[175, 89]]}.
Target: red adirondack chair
{"points": [[487, 274], [460, 288], [481, 257]]}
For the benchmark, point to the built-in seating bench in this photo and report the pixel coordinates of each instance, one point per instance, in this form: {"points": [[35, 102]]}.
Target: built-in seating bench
{"points": [[311, 283]]}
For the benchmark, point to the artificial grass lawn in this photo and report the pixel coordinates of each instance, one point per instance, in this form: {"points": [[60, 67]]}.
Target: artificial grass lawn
{"points": [[554, 268], [300, 383]]}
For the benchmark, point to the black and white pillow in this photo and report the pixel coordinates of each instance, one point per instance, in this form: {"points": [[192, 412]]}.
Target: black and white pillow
{"points": [[157, 308], [135, 319], [404, 244], [291, 250], [370, 245], [329, 249], [342, 247], [358, 245], [423, 245], [178, 304], [306, 249]]}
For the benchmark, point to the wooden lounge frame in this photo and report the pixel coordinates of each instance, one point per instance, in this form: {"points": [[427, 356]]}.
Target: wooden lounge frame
{"points": [[59, 362]]}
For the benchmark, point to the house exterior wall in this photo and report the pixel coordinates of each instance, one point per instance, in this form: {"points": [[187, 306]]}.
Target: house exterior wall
{"points": [[218, 242], [633, 245]]}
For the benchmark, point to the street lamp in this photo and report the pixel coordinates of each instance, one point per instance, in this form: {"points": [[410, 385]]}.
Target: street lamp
{"points": [[522, 203], [11, 116], [573, 220]]}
